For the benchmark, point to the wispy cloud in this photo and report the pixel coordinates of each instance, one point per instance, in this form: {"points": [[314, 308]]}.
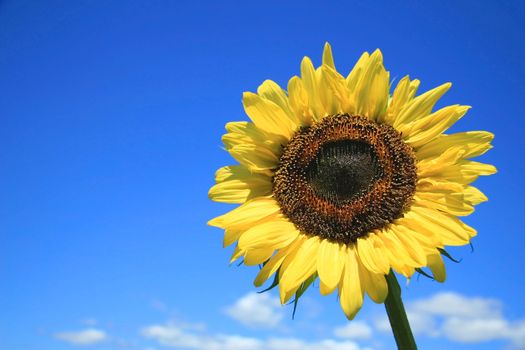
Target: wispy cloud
{"points": [[89, 336], [461, 319], [354, 330], [181, 337], [257, 310]]}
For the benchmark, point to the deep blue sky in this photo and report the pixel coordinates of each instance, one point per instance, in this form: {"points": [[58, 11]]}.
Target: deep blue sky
{"points": [[111, 116]]}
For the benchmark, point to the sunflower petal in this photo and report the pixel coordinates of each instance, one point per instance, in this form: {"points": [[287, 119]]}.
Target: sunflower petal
{"points": [[267, 115], [334, 93], [298, 97], [237, 184], [310, 84], [350, 289], [474, 196], [275, 262], [420, 106], [426, 129], [374, 284], [247, 214], [230, 236], [371, 257], [274, 234], [403, 93], [371, 91], [410, 244], [449, 229], [330, 265], [436, 265], [449, 202], [237, 253], [302, 266], [254, 257], [255, 158], [472, 143], [246, 133], [355, 75], [328, 58], [273, 92]]}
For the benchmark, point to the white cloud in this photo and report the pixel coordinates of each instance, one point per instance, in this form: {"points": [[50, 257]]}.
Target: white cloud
{"points": [[457, 305], [354, 330], [461, 319], [421, 323], [475, 330], [257, 310], [89, 322], [181, 337], [88, 336]]}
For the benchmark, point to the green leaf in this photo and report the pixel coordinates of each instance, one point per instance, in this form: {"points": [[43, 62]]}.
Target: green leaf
{"points": [[424, 273], [445, 253], [304, 286], [274, 283]]}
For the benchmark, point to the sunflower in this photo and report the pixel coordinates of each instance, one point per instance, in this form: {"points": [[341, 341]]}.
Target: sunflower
{"points": [[341, 180]]}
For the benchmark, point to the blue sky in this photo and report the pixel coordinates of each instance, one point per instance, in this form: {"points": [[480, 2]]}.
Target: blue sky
{"points": [[111, 117]]}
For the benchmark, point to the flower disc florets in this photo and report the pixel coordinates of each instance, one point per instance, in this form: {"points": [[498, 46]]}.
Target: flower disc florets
{"points": [[344, 177]]}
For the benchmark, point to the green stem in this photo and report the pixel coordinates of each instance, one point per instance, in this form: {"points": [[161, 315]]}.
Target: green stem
{"points": [[397, 315]]}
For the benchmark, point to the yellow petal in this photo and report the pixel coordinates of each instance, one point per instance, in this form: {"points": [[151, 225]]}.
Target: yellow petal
{"points": [[403, 93], [237, 253], [247, 214], [474, 196], [355, 75], [350, 289], [428, 240], [300, 267], [310, 84], [267, 115], [436, 265], [472, 143], [255, 158], [371, 257], [254, 257], [328, 58], [398, 255], [420, 106], [449, 202], [435, 166], [461, 171], [298, 98], [237, 184], [448, 228], [275, 262], [374, 284], [372, 90], [423, 130], [273, 92], [411, 245], [333, 92], [275, 234], [246, 133], [330, 262], [230, 236]]}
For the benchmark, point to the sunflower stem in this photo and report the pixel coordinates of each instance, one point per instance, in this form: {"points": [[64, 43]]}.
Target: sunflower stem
{"points": [[397, 315]]}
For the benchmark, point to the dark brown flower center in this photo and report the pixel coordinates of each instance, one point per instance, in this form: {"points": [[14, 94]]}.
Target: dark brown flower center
{"points": [[345, 177]]}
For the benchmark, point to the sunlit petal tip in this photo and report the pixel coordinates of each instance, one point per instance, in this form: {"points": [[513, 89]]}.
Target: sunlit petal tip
{"points": [[377, 54], [328, 58], [436, 265], [216, 222], [237, 253], [306, 65]]}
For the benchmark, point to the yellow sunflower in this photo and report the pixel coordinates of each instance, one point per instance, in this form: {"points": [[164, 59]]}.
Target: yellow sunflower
{"points": [[340, 180]]}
